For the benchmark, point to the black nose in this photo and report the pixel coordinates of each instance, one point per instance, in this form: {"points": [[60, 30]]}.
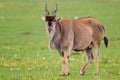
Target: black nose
{"points": [[49, 30]]}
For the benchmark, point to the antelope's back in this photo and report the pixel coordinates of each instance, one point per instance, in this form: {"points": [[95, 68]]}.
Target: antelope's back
{"points": [[85, 31]]}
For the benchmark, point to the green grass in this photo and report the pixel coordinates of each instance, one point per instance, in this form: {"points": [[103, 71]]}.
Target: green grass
{"points": [[24, 54]]}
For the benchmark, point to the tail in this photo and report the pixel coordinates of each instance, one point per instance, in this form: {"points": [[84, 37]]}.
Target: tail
{"points": [[106, 41], [105, 38]]}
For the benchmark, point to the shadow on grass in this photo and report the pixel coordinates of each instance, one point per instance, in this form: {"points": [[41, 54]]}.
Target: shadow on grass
{"points": [[26, 33], [76, 53]]}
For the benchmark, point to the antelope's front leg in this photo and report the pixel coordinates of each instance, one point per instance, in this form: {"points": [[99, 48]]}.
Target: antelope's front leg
{"points": [[65, 69]]}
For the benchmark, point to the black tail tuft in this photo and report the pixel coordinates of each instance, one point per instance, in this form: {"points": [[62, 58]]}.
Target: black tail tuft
{"points": [[106, 41]]}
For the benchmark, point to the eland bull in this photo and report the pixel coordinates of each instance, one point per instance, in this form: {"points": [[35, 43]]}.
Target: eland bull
{"points": [[82, 34]]}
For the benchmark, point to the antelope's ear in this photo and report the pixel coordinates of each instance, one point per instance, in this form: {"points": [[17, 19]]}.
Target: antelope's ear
{"points": [[43, 18], [58, 19]]}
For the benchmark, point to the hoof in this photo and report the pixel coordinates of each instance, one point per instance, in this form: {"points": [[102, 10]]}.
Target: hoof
{"points": [[96, 73], [82, 72], [67, 74], [64, 74], [61, 74]]}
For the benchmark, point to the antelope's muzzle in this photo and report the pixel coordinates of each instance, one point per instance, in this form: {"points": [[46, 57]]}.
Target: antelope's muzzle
{"points": [[49, 30]]}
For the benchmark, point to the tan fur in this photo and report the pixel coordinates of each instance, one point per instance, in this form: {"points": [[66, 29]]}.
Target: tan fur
{"points": [[84, 31]]}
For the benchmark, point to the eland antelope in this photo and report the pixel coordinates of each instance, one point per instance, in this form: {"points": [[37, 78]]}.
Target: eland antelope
{"points": [[82, 34]]}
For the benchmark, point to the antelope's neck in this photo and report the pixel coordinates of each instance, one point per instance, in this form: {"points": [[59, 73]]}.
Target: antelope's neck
{"points": [[55, 38]]}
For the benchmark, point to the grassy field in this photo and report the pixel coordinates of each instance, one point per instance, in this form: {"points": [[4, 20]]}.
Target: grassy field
{"points": [[24, 54]]}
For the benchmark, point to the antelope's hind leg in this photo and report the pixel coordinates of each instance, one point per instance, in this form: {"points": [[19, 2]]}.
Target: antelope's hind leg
{"points": [[89, 55], [96, 52]]}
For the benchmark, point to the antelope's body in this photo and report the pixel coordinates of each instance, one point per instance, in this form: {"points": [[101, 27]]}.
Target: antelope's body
{"points": [[83, 34], [77, 34]]}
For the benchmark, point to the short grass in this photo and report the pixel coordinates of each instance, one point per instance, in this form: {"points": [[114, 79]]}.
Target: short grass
{"points": [[23, 41]]}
